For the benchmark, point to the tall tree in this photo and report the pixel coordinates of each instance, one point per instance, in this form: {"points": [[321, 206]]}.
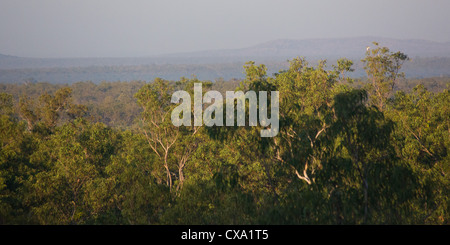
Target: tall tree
{"points": [[383, 70]]}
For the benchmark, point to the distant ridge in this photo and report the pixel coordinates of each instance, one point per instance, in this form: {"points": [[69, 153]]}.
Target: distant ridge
{"points": [[329, 48], [276, 50], [4, 56], [428, 59]]}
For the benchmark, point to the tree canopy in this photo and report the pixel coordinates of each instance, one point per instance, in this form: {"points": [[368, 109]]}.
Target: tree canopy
{"points": [[344, 154]]}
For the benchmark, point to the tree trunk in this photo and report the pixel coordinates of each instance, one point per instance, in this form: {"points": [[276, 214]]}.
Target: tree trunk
{"points": [[166, 166]]}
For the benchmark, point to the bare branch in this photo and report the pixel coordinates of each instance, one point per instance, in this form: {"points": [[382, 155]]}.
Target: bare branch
{"points": [[150, 143], [305, 174]]}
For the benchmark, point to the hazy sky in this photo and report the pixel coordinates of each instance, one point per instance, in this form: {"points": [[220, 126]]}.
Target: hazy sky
{"points": [[120, 28]]}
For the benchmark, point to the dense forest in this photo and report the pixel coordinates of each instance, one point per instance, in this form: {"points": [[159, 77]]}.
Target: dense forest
{"points": [[348, 151]]}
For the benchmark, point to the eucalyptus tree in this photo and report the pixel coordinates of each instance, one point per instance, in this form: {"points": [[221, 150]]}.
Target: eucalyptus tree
{"points": [[422, 140], [383, 70], [173, 145], [72, 186]]}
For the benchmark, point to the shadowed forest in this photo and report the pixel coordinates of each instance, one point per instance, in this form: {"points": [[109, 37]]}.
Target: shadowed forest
{"points": [[349, 151]]}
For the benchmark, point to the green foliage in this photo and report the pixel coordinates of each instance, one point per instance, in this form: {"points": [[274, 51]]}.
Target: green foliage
{"points": [[6, 104], [15, 168], [422, 134], [73, 187], [96, 154], [383, 70]]}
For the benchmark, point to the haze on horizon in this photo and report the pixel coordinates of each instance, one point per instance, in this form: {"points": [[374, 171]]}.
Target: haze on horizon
{"points": [[136, 28]]}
